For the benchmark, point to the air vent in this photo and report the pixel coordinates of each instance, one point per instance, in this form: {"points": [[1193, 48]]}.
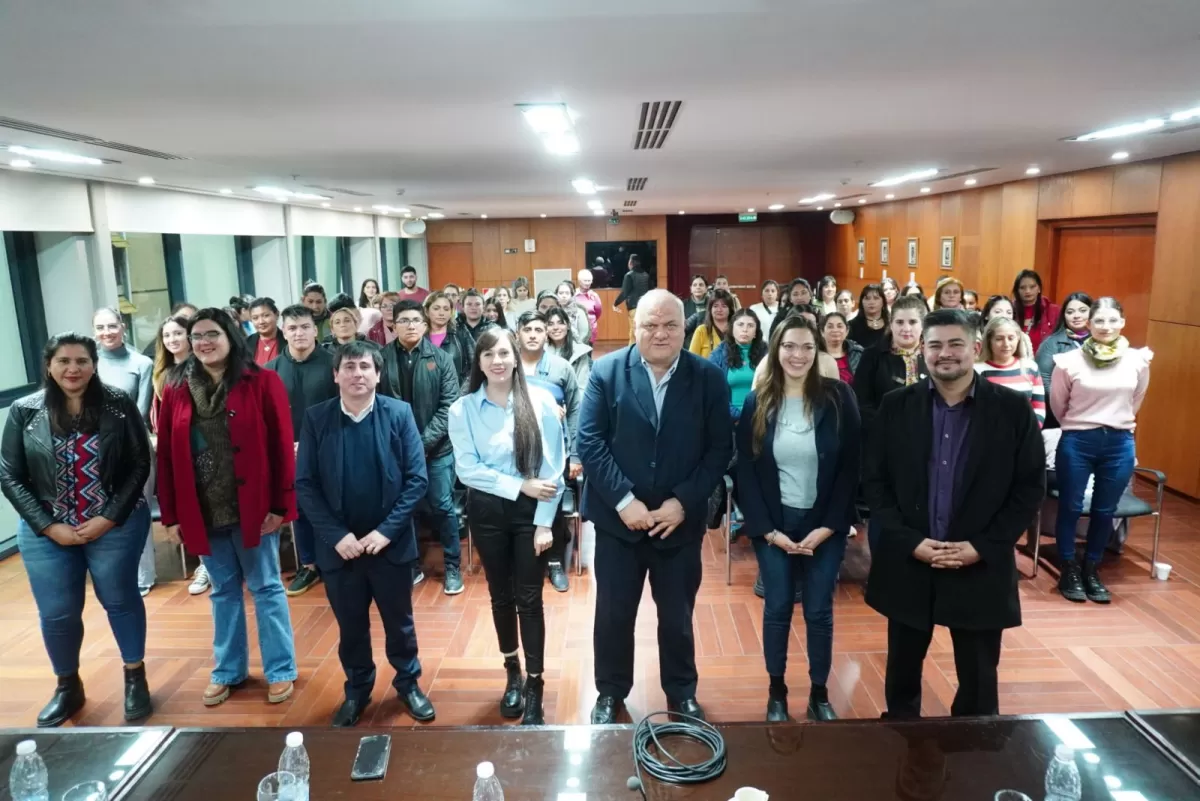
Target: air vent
{"points": [[629, 204], [42, 130], [635, 184], [425, 206], [841, 198], [656, 121], [338, 190], [963, 174]]}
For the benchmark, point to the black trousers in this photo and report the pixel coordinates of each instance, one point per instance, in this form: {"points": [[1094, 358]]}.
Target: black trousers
{"points": [[557, 552], [621, 568], [503, 535], [976, 657], [351, 589]]}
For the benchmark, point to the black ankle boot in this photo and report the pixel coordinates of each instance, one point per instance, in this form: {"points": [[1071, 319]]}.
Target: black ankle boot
{"points": [[137, 693], [534, 688], [512, 704], [777, 705], [1070, 583], [1093, 587], [68, 699], [819, 707]]}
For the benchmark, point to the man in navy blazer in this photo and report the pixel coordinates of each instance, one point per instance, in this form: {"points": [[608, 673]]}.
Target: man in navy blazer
{"points": [[655, 439], [360, 473]]}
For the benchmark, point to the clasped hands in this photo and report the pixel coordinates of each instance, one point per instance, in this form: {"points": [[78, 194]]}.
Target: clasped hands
{"points": [[89, 530], [804, 547], [660, 522], [946, 555], [352, 547]]}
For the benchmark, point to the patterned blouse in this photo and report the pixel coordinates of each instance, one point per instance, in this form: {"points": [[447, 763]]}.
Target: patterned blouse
{"points": [[80, 494]]}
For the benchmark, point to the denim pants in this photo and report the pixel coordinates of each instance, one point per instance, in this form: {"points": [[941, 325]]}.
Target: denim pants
{"points": [[816, 578], [230, 564], [58, 578], [438, 507], [1106, 453]]}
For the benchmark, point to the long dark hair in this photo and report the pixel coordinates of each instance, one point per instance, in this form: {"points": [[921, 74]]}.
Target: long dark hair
{"points": [[527, 432], [568, 344], [878, 290], [991, 304], [733, 352], [363, 300], [61, 420], [828, 280], [770, 392], [239, 361], [1082, 297], [718, 296], [1019, 306], [785, 302], [495, 304]]}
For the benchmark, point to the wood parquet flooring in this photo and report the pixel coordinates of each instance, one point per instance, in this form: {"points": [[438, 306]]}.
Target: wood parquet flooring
{"points": [[1142, 651]]}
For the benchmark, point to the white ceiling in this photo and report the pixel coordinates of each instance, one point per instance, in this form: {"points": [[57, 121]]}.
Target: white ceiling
{"points": [[781, 98]]}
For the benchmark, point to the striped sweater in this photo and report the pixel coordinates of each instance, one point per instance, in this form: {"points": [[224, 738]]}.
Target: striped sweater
{"points": [[1022, 376]]}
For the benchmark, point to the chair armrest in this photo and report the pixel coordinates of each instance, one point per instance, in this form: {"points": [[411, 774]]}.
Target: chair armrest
{"points": [[1160, 477], [728, 483]]}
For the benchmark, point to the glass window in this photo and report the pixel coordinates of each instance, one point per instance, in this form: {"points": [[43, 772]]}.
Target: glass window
{"points": [[141, 266], [210, 269], [12, 367], [325, 254], [393, 261]]}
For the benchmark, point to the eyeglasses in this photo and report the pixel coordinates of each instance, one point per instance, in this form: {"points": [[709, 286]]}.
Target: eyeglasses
{"points": [[409, 321], [206, 336]]}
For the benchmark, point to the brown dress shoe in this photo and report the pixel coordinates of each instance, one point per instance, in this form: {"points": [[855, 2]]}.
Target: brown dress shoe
{"points": [[216, 694], [280, 691]]}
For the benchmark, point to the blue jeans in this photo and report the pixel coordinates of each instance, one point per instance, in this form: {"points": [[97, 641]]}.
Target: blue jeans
{"points": [[816, 578], [306, 544], [1107, 454], [438, 506], [58, 578], [230, 564]]}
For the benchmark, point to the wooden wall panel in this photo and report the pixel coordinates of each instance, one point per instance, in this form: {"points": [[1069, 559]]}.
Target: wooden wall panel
{"points": [[451, 263], [1091, 193], [587, 229], [991, 241], [449, 231], [739, 257], [513, 234], [780, 254], [1136, 188], [554, 240], [1176, 288], [1018, 231], [486, 253], [1167, 437]]}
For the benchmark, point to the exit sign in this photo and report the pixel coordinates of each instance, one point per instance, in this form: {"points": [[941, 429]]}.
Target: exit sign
{"points": [[747, 218]]}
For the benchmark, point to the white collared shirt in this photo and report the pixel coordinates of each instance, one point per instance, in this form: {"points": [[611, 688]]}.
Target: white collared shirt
{"points": [[658, 387], [358, 418]]}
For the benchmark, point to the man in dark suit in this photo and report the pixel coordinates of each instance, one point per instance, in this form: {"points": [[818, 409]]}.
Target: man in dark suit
{"points": [[655, 438], [954, 473], [359, 476]]}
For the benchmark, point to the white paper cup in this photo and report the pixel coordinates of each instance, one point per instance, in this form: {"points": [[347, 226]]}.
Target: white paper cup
{"points": [[1162, 571]]}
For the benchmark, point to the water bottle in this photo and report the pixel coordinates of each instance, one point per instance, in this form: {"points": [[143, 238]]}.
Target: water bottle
{"points": [[1062, 777], [28, 780], [487, 786], [294, 760]]}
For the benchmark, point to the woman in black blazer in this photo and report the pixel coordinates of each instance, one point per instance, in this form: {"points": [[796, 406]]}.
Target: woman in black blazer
{"points": [[798, 444], [895, 362]]}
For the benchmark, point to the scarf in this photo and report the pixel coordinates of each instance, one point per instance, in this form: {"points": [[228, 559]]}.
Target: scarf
{"points": [[910, 364], [1077, 336], [1100, 355]]}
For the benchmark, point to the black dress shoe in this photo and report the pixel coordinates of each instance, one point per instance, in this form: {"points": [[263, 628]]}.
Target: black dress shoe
{"points": [[512, 704], [1093, 587], [137, 694], [687, 706], [819, 707], [418, 704], [534, 688], [1070, 583], [350, 712], [777, 705], [68, 699], [558, 577], [605, 710]]}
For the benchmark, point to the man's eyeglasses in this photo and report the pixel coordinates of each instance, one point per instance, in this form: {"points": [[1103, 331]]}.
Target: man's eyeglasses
{"points": [[409, 321], [206, 336]]}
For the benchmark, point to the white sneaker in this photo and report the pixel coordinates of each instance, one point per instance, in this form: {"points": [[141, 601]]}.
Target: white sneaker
{"points": [[200, 581]]}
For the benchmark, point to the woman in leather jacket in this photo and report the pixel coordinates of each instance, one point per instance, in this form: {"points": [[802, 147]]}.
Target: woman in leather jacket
{"points": [[73, 463]]}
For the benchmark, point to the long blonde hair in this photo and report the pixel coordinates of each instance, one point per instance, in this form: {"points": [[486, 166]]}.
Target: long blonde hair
{"points": [[770, 393], [164, 360], [1023, 355]]}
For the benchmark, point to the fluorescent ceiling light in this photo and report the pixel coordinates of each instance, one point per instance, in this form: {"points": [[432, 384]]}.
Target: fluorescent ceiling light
{"points": [[1120, 155], [817, 198], [483, 216], [598, 212], [325, 205], [561, 144], [21, 164], [1123, 130], [970, 182], [889, 196], [273, 191], [1068, 733], [862, 200], [1184, 116], [595, 204], [53, 155], [1033, 170], [436, 215], [543, 215], [775, 207], [925, 190], [308, 196], [146, 180], [916, 175], [584, 186], [547, 118], [226, 191], [286, 194]]}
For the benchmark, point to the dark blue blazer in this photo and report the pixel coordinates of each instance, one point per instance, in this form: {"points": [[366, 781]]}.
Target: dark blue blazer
{"points": [[402, 479], [624, 449], [838, 436]]}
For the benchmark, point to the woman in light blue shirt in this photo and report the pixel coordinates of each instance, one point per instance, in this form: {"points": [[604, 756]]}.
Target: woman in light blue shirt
{"points": [[509, 451]]}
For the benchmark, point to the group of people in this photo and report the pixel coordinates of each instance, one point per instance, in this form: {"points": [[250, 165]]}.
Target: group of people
{"points": [[816, 413]]}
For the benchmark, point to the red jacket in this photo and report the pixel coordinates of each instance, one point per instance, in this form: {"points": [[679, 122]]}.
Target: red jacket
{"points": [[260, 428], [1045, 327]]}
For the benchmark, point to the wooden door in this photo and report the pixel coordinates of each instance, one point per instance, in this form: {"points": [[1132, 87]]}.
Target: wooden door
{"points": [[1116, 261], [451, 263]]}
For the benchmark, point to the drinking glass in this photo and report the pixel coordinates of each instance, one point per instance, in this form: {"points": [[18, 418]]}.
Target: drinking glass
{"points": [[1011, 795], [279, 786], [87, 791]]}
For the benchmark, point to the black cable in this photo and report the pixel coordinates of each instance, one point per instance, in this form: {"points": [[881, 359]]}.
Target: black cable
{"points": [[673, 771]]}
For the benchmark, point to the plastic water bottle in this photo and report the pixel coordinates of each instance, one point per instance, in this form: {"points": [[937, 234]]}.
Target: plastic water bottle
{"points": [[1062, 777], [294, 760], [487, 786], [28, 780]]}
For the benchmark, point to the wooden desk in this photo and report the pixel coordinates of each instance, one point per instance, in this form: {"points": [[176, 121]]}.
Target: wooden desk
{"points": [[77, 755]]}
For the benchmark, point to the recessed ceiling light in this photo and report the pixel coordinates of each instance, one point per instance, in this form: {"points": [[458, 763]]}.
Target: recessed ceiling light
{"points": [[916, 175], [889, 196], [1123, 130], [584, 186], [817, 198], [53, 155], [749, 211], [21, 164], [1120, 155], [543, 215], [970, 182], [146, 180], [681, 211], [925, 190], [862, 200], [325, 205], [837, 205], [358, 208], [483, 216], [226, 191], [435, 215], [775, 207], [546, 118], [1033, 170], [595, 205], [820, 208]]}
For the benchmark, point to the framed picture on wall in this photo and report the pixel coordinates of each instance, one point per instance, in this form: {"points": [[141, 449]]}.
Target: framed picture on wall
{"points": [[947, 253], [862, 251], [883, 250], [912, 251]]}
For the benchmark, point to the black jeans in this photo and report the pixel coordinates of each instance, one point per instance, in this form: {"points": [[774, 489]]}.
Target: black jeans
{"points": [[503, 534], [620, 569], [976, 657]]}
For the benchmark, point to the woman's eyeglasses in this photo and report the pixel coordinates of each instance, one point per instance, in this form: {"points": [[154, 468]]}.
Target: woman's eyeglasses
{"points": [[205, 336]]}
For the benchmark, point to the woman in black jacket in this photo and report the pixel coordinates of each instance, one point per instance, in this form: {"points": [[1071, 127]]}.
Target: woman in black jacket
{"points": [[895, 362], [870, 325], [445, 333], [74, 461]]}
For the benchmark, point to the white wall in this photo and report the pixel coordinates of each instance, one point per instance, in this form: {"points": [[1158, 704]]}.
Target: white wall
{"points": [[30, 202], [209, 269], [322, 222], [271, 271], [162, 211], [418, 257], [63, 268]]}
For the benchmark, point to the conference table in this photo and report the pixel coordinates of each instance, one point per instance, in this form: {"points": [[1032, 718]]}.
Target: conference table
{"points": [[1121, 757]]}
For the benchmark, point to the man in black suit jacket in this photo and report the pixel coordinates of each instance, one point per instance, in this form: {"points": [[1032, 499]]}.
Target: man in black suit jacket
{"points": [[654, 438], [954, 472], [360, 472]]}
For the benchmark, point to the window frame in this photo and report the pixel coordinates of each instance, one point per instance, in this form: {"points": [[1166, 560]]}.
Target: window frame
{"points": [[21, 250]]}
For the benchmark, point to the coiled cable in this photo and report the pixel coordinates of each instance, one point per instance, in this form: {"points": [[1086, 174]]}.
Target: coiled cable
{"points": [[670, 769]]}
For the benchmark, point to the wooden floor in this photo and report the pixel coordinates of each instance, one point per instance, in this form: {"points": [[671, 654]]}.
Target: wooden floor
{"points": [[1141, 652]]}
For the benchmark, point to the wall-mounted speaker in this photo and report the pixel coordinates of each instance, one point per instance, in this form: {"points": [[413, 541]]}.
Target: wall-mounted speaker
{"points": [[413, 227], [842, 216]]}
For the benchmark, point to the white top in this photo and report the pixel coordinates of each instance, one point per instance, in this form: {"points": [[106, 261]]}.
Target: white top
{"points": [[1084, 397], [795, 450], [765, 317]]}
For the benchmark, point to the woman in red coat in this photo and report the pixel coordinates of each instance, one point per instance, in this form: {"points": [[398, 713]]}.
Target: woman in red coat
{"points": [[226, 472], [1036, 315]]}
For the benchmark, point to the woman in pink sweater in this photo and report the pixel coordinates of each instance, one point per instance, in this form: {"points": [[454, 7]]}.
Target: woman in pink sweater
{"points": [[1095, 393], [589, 301]]}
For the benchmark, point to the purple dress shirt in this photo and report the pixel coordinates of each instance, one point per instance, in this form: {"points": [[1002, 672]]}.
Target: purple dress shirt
{"points": [[947, 458]]}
